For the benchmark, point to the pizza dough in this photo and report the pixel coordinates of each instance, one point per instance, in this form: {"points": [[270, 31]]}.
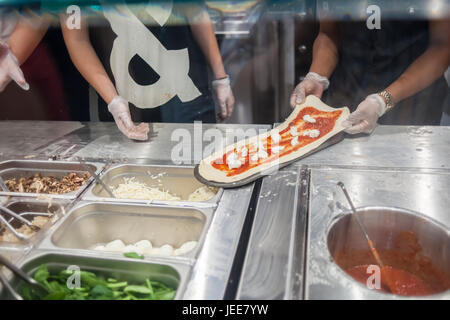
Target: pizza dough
{"points": [[209, 172]]}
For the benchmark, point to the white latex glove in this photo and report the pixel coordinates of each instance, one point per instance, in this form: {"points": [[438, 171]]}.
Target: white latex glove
{"points": [[364, 118], [9, 69], [224, 95], [312, 84], [121, 112]]}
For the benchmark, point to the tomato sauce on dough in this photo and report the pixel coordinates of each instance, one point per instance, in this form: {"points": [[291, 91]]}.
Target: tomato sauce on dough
{"points": [[325, 122]]}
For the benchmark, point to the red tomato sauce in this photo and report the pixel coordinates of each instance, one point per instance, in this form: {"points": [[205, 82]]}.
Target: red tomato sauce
{"points": [[325, 122], [407, 272], [393, 280]]}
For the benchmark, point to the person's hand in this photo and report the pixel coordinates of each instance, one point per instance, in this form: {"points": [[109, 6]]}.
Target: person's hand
{"points": [[9, 69], [225, 98], [364, 118], [121, 112], [312, 84]]}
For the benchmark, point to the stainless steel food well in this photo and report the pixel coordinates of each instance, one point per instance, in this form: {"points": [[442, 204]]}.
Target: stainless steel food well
{"points": [[415, 190], [25, 168], [29, 208], [134, 271], [178, 180], [88, 224], [384, 225]]}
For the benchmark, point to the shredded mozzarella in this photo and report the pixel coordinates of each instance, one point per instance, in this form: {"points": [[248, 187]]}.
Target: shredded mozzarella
{"points": [[132, 189], [203, 193]]}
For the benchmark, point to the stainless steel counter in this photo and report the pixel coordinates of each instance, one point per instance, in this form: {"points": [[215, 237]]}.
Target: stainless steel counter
{"points": [[390, 146], [208, 274], [102, 140], [398, 166], [24, 138]]}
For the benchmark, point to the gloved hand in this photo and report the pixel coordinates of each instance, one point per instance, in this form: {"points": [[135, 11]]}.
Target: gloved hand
{"points": [[312, 84], [121, 112], [364, 118], [9, 69], [224, 95]]}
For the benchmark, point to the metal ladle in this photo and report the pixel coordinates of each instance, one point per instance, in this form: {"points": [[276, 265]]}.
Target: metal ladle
{"points": [[20, 218], [363, 228], [11, 213], [369, 241], [3, 185]]}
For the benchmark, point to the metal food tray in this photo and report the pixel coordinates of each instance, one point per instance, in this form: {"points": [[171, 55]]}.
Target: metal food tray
{"points": [[333, 140], [178, 180], [173, 275], [388, 201], [27, 207], [88, 224], [25, 168]]}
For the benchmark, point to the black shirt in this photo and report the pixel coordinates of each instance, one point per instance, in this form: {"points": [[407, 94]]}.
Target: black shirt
{"points": [[370, 60], [146, 57]]}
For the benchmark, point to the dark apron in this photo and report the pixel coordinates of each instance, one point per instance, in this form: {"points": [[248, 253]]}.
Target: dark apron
{"points": [[173, 38], [370, 60]]}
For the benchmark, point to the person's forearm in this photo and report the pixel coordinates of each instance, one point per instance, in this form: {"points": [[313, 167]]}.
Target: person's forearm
{"points": [[203, 32], [86, 61], [428, 67], [423, 72], [26, 37], [325, 54]]}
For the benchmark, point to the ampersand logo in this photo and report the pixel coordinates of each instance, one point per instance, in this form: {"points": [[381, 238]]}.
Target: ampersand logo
{"points": [[172, 66]]}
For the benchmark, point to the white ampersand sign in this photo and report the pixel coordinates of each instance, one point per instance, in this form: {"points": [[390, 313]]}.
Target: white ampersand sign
{"points": [[133, 38]]}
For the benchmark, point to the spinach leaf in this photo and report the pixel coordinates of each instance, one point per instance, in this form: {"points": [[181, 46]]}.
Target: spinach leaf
{"points": [[41, 275], [137, 289], [133, 255], [101, 292]]}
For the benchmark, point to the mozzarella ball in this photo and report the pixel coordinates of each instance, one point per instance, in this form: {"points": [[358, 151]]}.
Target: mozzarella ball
{"points": [[293, 131], [308, 118], [275, 136], [132, 248], [143, 244], [166, 250], [115, 245]]}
